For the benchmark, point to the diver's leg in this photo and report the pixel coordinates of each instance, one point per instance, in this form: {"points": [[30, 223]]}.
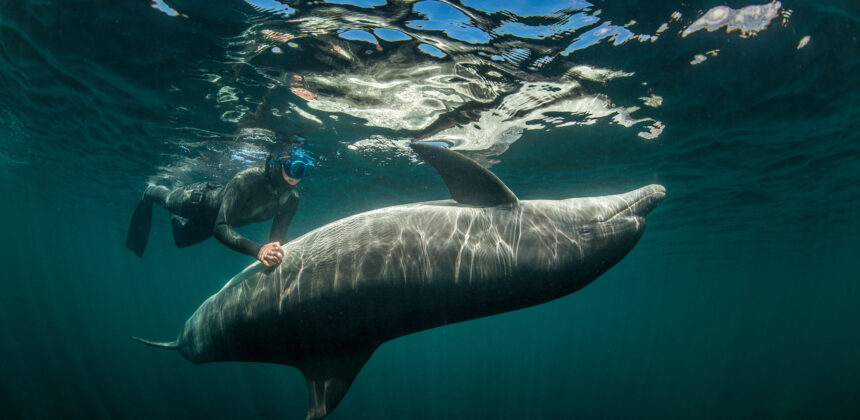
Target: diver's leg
{"points": [[156, 194], [186, 201], [176, 201], [190, 231], [180, 201]]}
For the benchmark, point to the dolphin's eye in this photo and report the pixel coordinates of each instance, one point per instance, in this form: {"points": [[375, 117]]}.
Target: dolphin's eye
{"points": [[585, 230]]}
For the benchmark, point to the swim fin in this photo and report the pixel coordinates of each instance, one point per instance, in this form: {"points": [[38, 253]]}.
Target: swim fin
{"points": [[138, 231]]}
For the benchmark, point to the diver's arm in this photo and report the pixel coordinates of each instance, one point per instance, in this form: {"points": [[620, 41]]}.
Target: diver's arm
{"points": [[224, 230], [283, 218]]}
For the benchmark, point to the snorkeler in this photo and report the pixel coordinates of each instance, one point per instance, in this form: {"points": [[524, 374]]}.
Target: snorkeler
{"points": [[204, 209]]}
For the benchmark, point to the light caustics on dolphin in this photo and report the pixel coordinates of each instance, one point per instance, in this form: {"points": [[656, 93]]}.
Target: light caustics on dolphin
{"points": [[349, 286]]}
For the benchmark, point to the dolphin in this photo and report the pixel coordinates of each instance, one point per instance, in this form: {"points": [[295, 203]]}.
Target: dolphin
{"points": [[347, 287]]}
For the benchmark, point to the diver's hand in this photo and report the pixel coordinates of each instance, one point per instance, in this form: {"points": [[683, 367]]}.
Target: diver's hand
{"points": [[271, 254]]}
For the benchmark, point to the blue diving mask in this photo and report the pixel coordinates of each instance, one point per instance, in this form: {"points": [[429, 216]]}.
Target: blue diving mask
{"points": [[297, 162]]}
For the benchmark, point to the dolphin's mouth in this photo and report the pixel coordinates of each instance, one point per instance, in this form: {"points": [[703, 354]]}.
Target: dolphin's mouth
{"points": [[638, 202]]}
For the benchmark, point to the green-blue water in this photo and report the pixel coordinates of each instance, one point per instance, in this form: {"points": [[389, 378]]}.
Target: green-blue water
{"points": [[740, 301]]}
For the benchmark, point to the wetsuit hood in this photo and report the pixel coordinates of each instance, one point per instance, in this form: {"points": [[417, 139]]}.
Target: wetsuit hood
{"points": [[275, 178]]}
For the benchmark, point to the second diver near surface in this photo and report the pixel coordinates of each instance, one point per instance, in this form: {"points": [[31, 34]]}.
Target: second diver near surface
{"points": [[202, 210]]}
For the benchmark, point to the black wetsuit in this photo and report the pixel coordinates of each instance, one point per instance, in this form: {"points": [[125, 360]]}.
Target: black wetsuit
{"points": [[210, 209]]}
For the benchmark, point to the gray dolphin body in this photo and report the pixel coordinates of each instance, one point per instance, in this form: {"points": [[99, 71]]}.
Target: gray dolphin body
{"points": [[349, 286]]}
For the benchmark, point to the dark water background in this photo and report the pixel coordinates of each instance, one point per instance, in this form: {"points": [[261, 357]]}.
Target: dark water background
{"points": [[740, 301]]}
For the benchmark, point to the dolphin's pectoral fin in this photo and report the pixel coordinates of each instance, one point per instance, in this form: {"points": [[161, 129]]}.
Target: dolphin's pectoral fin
{"points": [[329, 378], [467, 180]]}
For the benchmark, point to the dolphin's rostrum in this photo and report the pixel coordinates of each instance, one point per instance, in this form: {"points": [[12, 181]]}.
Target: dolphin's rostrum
{"points": [[349, 286]]}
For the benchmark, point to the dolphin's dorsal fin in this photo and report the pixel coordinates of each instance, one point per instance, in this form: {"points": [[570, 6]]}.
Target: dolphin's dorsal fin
{"points": [[329, 377], [467, 180]]}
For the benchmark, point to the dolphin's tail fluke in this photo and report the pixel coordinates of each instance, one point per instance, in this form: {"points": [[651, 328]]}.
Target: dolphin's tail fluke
{"points": [[169, 345]]}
